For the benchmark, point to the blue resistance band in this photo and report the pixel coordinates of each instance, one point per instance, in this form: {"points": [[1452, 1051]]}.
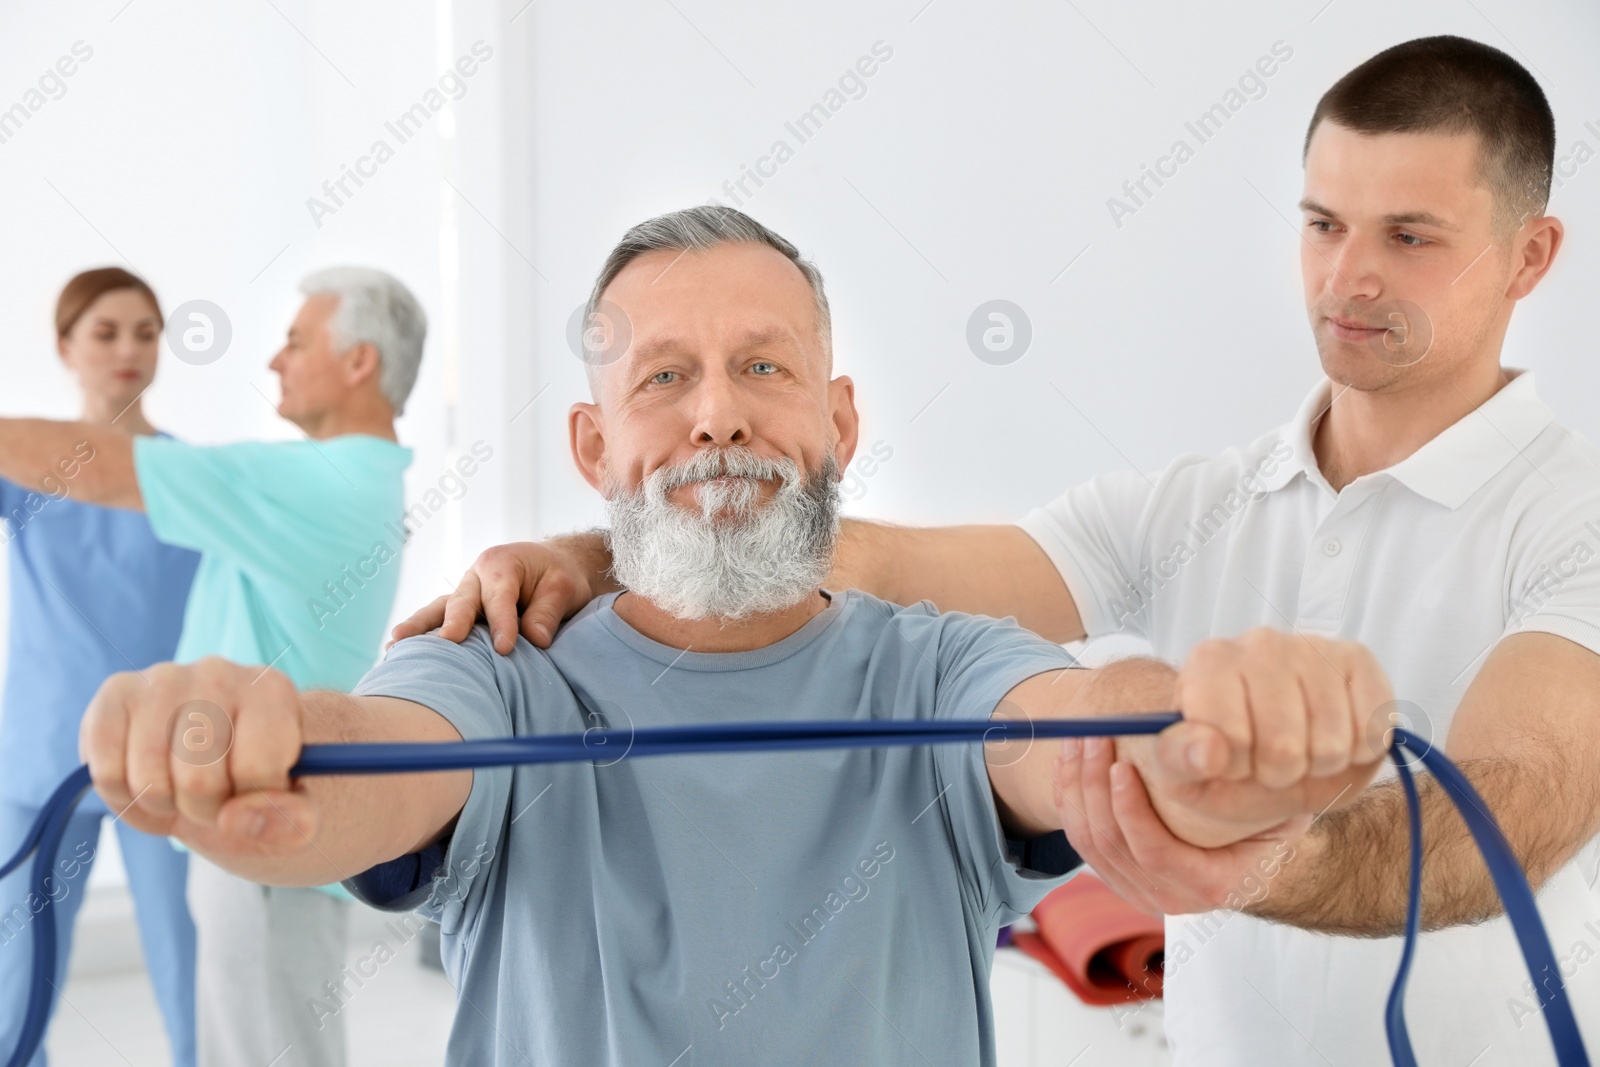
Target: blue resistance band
{"points": [[44, 837]]}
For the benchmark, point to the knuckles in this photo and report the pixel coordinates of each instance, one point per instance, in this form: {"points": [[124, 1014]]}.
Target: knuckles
{"points": [[559, 582], [500, 561], [1282, 752], [1212, 654]]}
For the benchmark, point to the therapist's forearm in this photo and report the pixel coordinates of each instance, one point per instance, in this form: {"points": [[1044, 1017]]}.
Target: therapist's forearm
{"points": [[1351, 872], [983, 570], [588, 554], [87, 462]]}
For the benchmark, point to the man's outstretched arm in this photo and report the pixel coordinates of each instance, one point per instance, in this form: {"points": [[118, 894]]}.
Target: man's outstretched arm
{"points": [[1527, 734], [93, 463], [202, 753], [1272, 731], [531, 586]]}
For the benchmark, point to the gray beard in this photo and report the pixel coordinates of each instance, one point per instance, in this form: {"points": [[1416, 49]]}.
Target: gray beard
{"points": [[734, 557]]}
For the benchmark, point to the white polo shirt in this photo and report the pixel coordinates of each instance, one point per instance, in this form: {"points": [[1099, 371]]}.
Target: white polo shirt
{"points": [[1492, 527]]}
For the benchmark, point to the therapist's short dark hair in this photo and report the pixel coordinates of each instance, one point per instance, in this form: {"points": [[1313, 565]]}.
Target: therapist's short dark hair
{"points": [[1455, 85]]}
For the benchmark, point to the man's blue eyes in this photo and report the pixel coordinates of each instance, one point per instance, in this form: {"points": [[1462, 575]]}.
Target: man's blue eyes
{"points": [[762, 369]]}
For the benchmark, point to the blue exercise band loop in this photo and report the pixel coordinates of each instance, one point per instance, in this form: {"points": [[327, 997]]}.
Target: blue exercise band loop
{"points": [[44, 837], [1515, 896]]}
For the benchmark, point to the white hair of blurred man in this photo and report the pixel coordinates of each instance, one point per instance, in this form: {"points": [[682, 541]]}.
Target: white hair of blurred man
{"points": [[377, 308]]}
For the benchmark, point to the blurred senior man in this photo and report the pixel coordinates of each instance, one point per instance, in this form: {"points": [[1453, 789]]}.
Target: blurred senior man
{"points": [[299, 566]]}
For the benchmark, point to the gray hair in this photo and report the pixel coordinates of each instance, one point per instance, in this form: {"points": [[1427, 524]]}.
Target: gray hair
{"points": [[699, 229], [377, 308]]}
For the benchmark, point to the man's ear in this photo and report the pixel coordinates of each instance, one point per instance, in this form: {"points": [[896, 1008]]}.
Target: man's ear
{"points": [[361, 362], [846, 421], [1538, 250], [586, 430]]}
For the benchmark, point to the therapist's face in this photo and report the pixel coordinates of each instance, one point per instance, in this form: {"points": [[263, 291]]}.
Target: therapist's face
{"points": [[725, 351], [112, 348], [1406, 280]]}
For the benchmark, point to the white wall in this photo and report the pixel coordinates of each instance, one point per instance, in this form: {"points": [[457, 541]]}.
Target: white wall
{"points": [[975, 163], [978, 165]]}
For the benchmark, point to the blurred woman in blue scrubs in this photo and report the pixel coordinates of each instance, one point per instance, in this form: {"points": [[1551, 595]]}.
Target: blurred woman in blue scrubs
{"points": [[92, 593]]}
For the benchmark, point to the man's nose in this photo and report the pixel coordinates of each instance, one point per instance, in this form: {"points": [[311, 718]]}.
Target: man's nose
{"points": [[1353, 275], [718, 417]]}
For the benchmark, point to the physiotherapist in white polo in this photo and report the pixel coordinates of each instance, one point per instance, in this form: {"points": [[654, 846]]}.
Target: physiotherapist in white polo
{"points": [[1423, 501]]}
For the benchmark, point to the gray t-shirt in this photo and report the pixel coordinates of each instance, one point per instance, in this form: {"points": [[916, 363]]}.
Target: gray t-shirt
{"points": [[807, 907]]}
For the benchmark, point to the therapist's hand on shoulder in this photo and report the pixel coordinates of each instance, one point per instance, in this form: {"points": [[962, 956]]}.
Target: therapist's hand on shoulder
{"points": [[1276, 726], [500, 579], [202, 753]]}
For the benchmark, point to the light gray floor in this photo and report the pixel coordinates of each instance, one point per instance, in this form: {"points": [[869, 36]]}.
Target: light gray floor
{"points": [[399, 1018]]}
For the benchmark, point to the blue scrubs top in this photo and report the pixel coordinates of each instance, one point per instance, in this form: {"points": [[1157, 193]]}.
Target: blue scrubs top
{"points": [[92, 593]]}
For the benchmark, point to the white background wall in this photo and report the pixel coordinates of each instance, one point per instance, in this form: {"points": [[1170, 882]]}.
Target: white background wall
{"points": [[974, 163]]}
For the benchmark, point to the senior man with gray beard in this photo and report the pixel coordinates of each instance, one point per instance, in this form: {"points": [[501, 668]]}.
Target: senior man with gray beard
{"points": [[788, 908]]}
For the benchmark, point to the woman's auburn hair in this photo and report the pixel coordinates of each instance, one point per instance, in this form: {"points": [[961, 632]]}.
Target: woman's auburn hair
{"points": [[79, 294]]}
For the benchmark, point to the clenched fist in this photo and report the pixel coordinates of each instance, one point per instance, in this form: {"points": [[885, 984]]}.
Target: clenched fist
{"points": [[202, 753], [1276, 725]]}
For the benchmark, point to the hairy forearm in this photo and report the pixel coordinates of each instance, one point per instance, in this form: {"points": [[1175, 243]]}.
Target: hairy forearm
{"points": [[866, 559], [84, 461], [982, 570], [363, 819], [588, 553], [1352, 873]]}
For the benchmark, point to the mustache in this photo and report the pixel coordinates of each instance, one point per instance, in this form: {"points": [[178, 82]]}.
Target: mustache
{"points": [[734, 461]]}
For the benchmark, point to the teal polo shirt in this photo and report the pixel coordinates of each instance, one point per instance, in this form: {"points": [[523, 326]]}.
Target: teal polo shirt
{"points": [[299, 543]]}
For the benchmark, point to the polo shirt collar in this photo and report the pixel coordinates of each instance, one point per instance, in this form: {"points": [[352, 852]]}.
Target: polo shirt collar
{"points": [[1452, 466]]}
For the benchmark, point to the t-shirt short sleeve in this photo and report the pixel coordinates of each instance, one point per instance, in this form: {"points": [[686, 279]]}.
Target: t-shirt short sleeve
{"points": [[980, 660], [447, 881], [219, 500], [1092, 535]]}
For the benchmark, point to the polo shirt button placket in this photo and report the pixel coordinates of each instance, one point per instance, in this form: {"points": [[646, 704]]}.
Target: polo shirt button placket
{"points": [[1326, 577]]}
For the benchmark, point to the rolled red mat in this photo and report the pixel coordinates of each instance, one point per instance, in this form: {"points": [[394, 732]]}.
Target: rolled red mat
{"points": [[1106, 950]]}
